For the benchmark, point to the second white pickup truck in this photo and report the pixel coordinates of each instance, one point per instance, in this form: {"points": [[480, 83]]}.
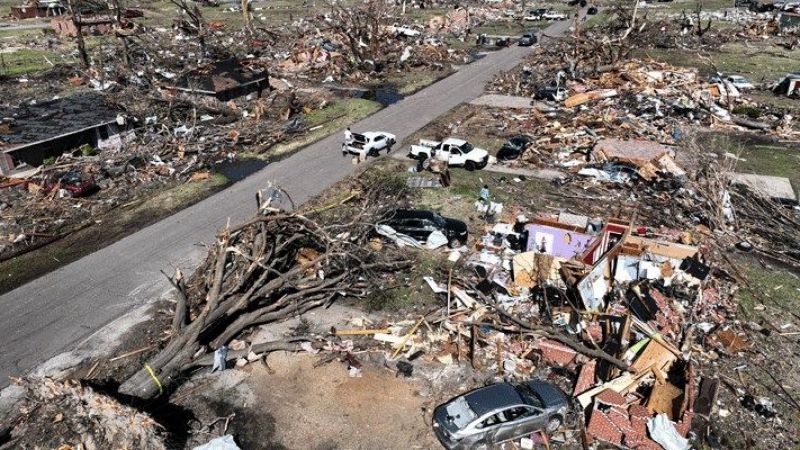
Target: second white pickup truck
{"points": [[457, 152], [370, 143]]}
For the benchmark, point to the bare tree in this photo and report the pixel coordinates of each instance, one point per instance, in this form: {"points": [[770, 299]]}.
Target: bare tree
{"points": [[120, 34], [195, 23], [361, 25], [246, 14], [73, 8]]}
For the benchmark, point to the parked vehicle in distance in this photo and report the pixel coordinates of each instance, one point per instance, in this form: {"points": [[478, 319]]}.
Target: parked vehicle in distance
{"points": [[371, 143], [592, 10], [534, 15], [514, 147], [75, 183], [739, 82], [551, 93], [457, 152], [527, 40], [502, 42], [553, 15], [419, 224], [405, 31], [487, 416]]}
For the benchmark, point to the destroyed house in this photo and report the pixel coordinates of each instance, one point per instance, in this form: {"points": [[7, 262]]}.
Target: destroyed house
{"points": [[223, 80], [789, 86], [35, 9], [789, 20], [33, 133], [762, 5]]}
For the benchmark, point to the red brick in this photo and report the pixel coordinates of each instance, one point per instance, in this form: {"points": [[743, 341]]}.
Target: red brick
{"points": [[585, 377], [610, 397], [685, 424], [556, 353], [661, 300], [595, 330], [640, 411], [621, 419], [602, 428]]}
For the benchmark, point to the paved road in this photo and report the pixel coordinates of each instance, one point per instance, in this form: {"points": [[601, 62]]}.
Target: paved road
{"points": [[55, 312]]}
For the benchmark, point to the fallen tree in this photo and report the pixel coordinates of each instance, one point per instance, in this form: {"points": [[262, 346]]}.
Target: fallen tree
{"points": [[276, 266]]}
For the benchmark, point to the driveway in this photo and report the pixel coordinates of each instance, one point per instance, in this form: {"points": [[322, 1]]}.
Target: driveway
{"points": [[55, 312]]}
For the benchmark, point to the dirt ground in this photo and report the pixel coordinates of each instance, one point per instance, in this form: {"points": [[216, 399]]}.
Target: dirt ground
{"points": [[304, 407]]}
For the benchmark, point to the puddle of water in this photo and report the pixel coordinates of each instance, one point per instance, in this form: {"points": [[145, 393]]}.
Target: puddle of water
{"points": [[385, 95], [240, 169]]}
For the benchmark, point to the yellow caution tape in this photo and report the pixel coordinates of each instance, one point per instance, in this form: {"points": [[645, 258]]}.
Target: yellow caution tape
{"points": [[155, 378]]}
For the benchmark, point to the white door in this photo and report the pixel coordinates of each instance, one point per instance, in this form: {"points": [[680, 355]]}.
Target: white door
{"points": [[457, 158]]}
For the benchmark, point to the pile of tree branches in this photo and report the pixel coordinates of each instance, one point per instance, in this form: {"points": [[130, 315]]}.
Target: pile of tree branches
{"points": [[68, 415], [772, 228], [274, 267]]}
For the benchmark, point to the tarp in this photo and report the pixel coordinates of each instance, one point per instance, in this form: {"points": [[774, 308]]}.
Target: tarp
{"points": [[663, 431], [435, 239], [221, 443]]}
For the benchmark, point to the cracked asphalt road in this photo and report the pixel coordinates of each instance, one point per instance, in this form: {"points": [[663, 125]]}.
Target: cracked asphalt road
{"points": [[54, 313]]}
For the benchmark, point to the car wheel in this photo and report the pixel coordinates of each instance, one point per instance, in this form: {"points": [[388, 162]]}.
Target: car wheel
{"points": [[470, 165], [454, 243], [372, 152], [554, 423], [422, 157]]}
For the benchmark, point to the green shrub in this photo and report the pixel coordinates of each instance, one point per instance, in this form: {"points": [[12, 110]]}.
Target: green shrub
{"points": [[749, 111], [87, 150]]}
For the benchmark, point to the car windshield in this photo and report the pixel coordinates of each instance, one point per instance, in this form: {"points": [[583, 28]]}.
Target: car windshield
{"points": [[528, 396], [72, 178], [467, 147], [438, 220]]}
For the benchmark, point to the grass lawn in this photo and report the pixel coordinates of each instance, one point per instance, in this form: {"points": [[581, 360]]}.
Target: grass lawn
{"points": [[515, 28], [337, 114], [758, 62], [27, 61], [759, 158], [409, 83], [771, 286], [112, 226]]}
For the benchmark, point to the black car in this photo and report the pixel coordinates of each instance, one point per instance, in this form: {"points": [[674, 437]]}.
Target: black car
{"points": [[527, 40], [419, 224], [514, 147], [551, 93]]}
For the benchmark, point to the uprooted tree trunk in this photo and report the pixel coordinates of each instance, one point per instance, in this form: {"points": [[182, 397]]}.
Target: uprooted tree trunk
{"points": [[76, 21], [274, 267]]}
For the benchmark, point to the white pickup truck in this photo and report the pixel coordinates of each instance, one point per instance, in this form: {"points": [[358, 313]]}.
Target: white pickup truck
{"points": [[553, 15], [370, 143], [457, 152]]}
